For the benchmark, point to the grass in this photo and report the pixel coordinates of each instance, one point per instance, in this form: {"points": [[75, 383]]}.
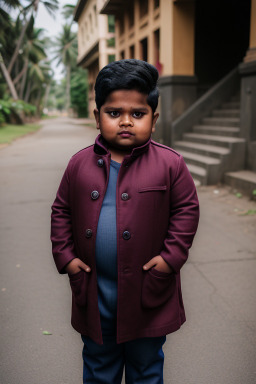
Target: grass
{"points": [[10, 132]]}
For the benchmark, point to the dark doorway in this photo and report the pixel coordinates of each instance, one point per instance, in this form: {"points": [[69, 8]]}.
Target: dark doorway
{"points": [[221, 38], [144, 49]]}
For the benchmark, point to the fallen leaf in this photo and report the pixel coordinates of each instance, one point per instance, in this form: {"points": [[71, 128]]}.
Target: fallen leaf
{"points": [[46, 333]]}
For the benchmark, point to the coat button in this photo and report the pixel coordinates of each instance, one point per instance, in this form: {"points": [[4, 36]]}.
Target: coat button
{"points": [[95, 195], [100, 163], [88, 233], [126, 235], [124, 196]]}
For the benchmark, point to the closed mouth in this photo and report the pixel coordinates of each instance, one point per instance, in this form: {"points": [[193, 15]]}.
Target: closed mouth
{"points": [[126, 133]]}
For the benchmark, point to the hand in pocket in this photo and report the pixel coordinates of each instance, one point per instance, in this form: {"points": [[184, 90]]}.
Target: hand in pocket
{"points": [[159, 264]]}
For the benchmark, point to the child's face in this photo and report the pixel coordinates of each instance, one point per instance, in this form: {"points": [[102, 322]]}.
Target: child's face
{"points": [[125, 119]]}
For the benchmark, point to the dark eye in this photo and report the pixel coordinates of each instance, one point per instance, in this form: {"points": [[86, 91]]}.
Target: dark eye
{"points": [[114, 113], [137, 115]]}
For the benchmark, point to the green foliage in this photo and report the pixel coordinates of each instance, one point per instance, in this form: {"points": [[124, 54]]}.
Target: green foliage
{"points": [[23, 48], [111, 42], [111, 23], [254, 192], [250, 212], [111, 58], [78, 91], [7, 107], [239, 195]]}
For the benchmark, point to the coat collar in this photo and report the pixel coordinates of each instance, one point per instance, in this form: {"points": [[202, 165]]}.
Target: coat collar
{"points": [[101, 147]]}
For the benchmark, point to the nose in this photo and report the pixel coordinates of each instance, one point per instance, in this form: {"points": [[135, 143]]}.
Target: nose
{"points": [[126, 121]]}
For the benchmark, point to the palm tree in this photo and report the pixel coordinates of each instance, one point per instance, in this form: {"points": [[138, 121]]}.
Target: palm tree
{"points": [[68, 12], [33, 50], [28, 12], [7, 35], [66, 54]]}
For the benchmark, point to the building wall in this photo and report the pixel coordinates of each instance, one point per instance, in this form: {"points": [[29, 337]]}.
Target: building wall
{"points": [[94, 51], [137, 34], [161, 33]]}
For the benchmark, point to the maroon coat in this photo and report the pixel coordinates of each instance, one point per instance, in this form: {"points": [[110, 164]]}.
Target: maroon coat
{"points": [[157, 213]]}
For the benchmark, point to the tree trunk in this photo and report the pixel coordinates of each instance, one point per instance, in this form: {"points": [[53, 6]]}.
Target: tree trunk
{"points": [[8, 79], [38, 102], [26, 98], [46, 95], [68, 89], [17, 78], [23, 82], [18, 45]]}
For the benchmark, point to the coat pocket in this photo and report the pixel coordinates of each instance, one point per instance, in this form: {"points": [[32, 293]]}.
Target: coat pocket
{"points": [[157, 288], [79, 284], [153, 188]]}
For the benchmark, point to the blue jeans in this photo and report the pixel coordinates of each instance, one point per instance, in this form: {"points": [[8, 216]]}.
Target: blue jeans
{"points": [[143, 360]]}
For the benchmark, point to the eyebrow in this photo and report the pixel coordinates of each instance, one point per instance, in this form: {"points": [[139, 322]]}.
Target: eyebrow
{"points": [[142, 109]]}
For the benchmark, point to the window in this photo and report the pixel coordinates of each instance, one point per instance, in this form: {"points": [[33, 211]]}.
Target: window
{"points": [[90, 21], [157, 63], [95, 15], [111, 23], [132, 52], [144, 49], [111, 42], [156, 45], [122, 55], [156, 4], [143, 7], [111, 58]]}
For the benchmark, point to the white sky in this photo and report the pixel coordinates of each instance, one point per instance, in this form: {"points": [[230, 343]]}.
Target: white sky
{"points": [[53, 26]]}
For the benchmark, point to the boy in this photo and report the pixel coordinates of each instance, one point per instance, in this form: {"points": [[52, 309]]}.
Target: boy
{"points": [[123, 220]]}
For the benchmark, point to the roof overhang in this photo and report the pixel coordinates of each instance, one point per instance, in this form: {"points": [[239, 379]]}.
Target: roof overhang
{"points": [[112, 7], [89, 57], [79, 8]]}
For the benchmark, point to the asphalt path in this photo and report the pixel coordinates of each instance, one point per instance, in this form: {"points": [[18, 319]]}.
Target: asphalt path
{"points": [[217, 344]]}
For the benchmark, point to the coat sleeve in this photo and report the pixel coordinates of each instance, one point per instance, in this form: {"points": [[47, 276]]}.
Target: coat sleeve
{"points": [[184, 216], [61, 226]]}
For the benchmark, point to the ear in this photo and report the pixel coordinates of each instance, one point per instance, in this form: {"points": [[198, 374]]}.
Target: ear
{"points": [[155, 117], [97, 118]]}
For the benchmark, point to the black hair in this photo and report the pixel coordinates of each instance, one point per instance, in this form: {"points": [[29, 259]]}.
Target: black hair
{"points": [[127, 74]]}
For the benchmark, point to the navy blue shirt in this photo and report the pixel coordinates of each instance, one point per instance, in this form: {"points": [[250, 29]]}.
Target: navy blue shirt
{"points": [[106, 255]]}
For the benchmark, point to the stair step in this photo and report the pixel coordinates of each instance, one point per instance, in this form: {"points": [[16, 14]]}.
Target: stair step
{"points": [[236, 98], [203, 149], [242, 180], [231, 105], [222, 121], [198, 173], [226, 113], [207, 160], [224, 141], [215, 130]]}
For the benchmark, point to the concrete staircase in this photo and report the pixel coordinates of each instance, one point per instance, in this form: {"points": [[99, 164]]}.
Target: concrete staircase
{"points": [[214, 146]]}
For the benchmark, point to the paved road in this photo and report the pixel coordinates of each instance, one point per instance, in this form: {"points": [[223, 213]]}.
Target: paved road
{"points": [[217, 344]]}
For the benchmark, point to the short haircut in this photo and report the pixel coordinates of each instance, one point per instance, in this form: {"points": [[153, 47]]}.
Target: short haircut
{"points": [[127, 74]]}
